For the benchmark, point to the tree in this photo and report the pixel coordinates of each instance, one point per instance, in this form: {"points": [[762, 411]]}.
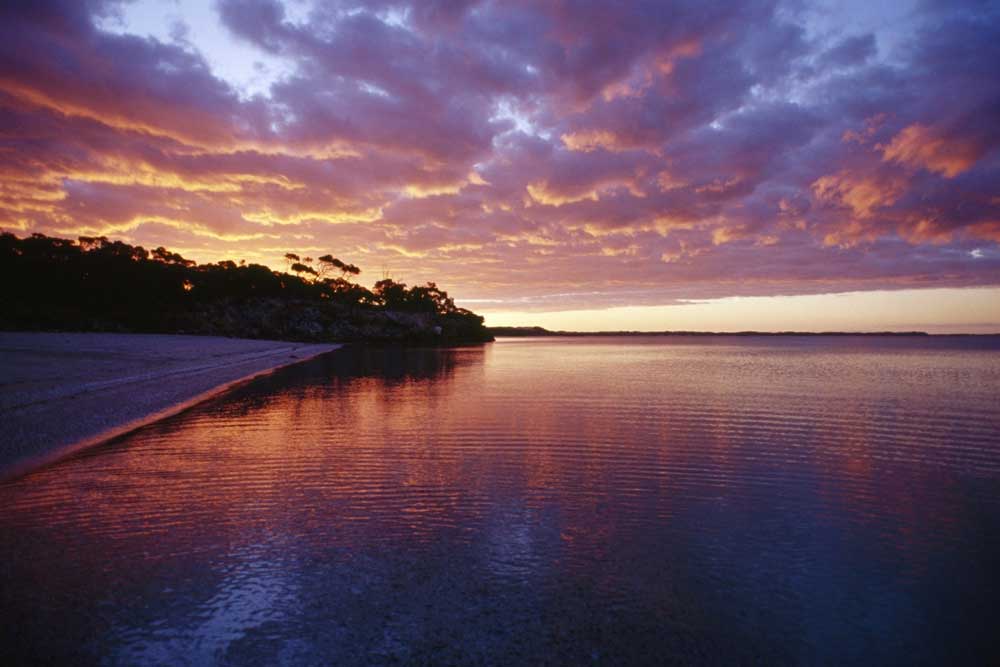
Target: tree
{"points": [[96, 283], [430, 295], [390, 294], [161, 254], [300, 268], [427, 298], [329, 264]]}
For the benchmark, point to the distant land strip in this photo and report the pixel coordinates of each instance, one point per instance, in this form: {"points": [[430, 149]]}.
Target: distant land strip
{"points": [[527, 332]]}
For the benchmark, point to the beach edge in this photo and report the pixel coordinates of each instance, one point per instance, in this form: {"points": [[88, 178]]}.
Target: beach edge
{"points": [[277, 359]]}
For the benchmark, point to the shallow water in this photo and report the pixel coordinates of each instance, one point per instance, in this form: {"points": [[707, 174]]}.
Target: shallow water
{"points": [[568, 501]]}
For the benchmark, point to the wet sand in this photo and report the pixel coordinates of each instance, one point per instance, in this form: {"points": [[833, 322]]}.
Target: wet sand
{"points": [[61, 392]]}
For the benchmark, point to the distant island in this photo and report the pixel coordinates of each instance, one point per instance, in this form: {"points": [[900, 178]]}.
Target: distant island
{"points": [[528, 332], [95, 284]]}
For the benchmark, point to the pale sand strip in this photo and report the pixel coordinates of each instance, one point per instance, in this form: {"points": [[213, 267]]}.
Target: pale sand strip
{"points": [[61, 392]]}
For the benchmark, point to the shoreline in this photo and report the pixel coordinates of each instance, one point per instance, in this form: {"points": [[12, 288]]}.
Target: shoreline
{"points": [[61, 393]]}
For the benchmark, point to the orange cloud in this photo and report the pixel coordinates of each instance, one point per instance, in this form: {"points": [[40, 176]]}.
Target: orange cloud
{"points": [[850, 234], [641, 78], [989, 231], [722, 235], [920, 146], [187, 226], [590, 140], [864, 136], [268, 217], [633, 86], [197, 132], [668, 181], [543, 194], [666, 61], [111, 117], [925, 230], [639, 149], [861, 193], [122, 172], [718, 185]]}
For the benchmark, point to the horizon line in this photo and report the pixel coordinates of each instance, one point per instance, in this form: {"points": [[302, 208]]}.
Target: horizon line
{"points": [[537, 331]]}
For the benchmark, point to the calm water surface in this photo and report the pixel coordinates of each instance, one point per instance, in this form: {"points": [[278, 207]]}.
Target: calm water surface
{"points": [[591, 501]]}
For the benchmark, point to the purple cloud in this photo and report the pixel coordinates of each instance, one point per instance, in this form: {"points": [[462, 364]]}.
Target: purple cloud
{"points": [[625, 154]]}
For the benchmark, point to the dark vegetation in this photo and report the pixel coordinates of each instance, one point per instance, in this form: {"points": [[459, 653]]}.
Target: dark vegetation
{"points": [[94, 284]]}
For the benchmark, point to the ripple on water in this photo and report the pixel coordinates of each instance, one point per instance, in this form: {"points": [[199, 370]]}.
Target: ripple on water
{"points": [[761, 500]]}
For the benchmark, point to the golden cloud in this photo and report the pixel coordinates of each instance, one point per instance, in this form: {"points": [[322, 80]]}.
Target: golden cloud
{"points": [[591, 140], [543, 194], [920, 146], [859, 192]]}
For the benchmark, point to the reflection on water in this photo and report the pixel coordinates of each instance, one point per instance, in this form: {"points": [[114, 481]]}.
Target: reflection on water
{"points": [[605, 501]]}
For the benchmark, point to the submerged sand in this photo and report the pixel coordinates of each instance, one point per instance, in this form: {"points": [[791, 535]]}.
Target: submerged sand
{"points": [[60, 392]]}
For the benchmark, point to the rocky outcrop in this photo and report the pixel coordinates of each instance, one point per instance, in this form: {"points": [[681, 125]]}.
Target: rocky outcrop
{"points": [[307, 321]]}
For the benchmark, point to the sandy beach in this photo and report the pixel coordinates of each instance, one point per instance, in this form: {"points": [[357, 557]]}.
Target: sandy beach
{"points": [[61, 392]]}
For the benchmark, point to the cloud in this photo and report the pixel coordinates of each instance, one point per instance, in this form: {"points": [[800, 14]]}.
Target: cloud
{"points": [[554, 153], [850, 51], [862, 194], [920, 146]]}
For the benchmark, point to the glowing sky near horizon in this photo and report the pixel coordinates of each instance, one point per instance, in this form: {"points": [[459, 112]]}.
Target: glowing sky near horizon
{"points": [[807, 165]]}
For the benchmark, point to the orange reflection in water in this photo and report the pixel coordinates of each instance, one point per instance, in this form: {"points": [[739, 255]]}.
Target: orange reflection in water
{"points": [[733, 483]]}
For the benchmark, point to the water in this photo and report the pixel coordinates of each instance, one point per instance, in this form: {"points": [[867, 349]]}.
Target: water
{"points": [[558, 501]]}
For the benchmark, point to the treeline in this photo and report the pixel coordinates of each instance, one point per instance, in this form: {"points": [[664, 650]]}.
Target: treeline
{"points": [[96, 284]]}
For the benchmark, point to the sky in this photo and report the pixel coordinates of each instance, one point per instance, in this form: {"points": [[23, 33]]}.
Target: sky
{"points": [[650, 165]]}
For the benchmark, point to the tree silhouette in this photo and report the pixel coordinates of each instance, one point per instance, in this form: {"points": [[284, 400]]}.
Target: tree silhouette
{"points": [[97, 284], [161, 254], [329, 263], [300, 269]]}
